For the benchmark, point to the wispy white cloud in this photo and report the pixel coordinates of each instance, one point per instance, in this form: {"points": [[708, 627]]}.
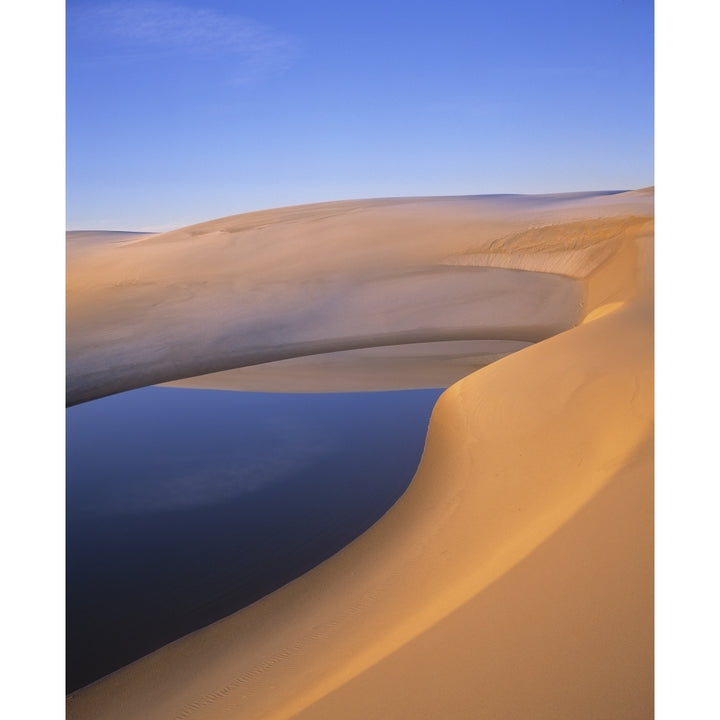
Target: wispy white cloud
{"points": [[165, 29]]}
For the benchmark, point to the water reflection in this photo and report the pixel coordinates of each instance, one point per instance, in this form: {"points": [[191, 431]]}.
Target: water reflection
{"points": [[185, 505]]}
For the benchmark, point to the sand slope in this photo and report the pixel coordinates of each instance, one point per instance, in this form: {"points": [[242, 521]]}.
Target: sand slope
{"points": [[514, 577], [386, 367], [332, 277]]}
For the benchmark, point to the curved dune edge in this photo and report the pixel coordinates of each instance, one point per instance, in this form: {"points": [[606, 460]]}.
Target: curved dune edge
{"points": [[512, 580]]}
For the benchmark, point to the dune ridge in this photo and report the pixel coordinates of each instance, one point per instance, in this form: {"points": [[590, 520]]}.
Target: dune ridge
{"points": [[513, 579]]}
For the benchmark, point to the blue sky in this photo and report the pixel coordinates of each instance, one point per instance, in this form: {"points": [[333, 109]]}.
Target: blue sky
{"points": [[178, 112]]}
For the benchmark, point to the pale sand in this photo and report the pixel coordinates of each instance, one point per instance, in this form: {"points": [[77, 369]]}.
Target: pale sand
{"points": [[514, 578], [279, 284], [392, 367]]}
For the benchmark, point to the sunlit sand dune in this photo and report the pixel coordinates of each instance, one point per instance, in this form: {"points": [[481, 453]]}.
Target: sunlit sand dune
{"points": [[513, 579]]}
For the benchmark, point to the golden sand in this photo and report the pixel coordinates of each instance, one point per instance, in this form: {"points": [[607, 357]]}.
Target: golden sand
{"points": [[514, 577]]}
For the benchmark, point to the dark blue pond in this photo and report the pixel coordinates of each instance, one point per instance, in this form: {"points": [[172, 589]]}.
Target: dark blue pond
{"points": [[186, 505]]}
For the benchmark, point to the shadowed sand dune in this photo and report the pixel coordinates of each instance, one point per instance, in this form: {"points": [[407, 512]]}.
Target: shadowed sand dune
{"points": [[513, 579]]}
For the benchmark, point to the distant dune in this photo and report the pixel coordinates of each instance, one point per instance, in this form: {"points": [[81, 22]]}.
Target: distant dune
{"points": [[514, 578], [286, 283]]}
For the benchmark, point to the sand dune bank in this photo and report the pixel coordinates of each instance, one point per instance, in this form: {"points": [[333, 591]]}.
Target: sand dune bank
{"points": [[281, 284], [390, 367], [514, 578]]}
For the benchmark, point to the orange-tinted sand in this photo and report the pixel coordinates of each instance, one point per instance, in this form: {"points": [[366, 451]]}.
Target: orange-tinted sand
{"points": [[514, 577]]}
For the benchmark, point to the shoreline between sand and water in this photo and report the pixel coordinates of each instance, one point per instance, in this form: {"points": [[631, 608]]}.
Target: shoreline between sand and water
{"points": [[186, 506]]}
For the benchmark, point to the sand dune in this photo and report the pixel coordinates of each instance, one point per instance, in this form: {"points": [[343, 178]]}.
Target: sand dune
{"points": [[514, 578], [267, 286], [387, 367]]}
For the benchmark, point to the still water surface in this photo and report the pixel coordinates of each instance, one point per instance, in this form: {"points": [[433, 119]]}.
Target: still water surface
{"points": [[186, 505]]}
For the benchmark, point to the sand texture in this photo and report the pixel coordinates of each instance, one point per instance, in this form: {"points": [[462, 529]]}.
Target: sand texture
{"points": [[514, 578]]}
